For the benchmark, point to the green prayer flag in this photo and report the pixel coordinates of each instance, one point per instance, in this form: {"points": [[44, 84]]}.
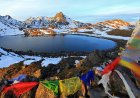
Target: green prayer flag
{"points": [[52, 85], [135, 43]]}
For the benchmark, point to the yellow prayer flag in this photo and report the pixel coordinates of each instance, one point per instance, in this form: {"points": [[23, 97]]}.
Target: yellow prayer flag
{"points": [[70, 86], [132, 66]]}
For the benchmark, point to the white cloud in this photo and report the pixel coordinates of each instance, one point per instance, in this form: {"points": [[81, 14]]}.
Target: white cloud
{"points": [[22, 9], [118, 9], [26, 8]]}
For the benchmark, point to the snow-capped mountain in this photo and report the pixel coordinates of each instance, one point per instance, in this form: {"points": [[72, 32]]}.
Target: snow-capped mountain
{"points": [[9, 30], [8, 20], [59, 21], [116, 29], [113, 24], [9, 26]]}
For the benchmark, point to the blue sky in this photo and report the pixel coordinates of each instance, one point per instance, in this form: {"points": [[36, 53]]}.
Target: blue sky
{"points": [[22, 9]]}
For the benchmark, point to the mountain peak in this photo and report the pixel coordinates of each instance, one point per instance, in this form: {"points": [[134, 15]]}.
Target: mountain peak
{"points": [[60, 17], [8, 17], [60, 13]]}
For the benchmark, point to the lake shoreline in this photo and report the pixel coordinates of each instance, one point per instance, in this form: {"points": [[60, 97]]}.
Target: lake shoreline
{"points": [[61, 53], [66, 68]]}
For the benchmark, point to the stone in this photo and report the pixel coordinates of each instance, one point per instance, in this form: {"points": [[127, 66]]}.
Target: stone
{"points": [[43, 92]]}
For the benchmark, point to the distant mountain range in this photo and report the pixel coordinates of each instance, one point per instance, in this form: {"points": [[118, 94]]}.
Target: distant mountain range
{"points": [[60, 23], [9, 26]]}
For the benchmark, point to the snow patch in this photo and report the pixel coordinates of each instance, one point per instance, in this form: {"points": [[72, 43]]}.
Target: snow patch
{"points": [[28, 62], [104, 34], [35, 58], [124, 28], [85, 30], [3, 52], [9, 30], [48, 61], [31, 59], [6, 61], [9, 58]]}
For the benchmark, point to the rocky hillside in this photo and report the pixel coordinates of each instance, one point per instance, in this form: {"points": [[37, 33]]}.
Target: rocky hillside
{"points": [[38, 32], [8, 20], [9, 26], [60, 23], [116, 29], [113, 24], [66, 69]]}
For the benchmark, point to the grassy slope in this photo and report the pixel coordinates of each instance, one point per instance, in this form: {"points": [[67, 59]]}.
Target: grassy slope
{"points": [[117, 32]]}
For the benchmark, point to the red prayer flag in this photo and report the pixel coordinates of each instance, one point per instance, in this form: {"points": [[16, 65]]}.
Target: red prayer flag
{"points": [[20, 88], [111, 66]]}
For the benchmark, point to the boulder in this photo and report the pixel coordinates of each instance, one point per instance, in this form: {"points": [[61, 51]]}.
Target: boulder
{"points": [[43, 92], [128, 87], [116, 84], [92, 59], [37, 73], [34, 69]]}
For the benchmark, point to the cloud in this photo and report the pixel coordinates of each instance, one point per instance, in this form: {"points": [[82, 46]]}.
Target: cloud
{"points": [[26, 7], [118, 9], [23, 9]]}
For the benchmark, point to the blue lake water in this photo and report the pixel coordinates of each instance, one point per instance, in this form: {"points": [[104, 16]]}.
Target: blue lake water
{"points": [[55, 44]]}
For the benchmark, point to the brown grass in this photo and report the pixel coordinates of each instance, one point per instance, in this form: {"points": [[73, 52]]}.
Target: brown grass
{"points": [[118, 32]]}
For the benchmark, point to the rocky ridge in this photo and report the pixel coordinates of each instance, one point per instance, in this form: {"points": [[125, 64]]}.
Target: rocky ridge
{"points": [[58, 24]]}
